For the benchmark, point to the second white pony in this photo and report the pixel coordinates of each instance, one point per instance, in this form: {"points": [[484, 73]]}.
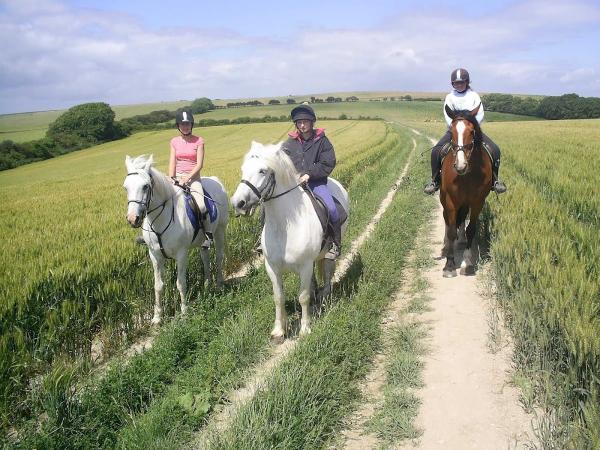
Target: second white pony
{"points": [[157, 206], [292, 237]]}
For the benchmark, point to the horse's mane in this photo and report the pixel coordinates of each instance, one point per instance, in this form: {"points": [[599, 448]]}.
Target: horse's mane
{"points": [[275, 159], [145, 163], [466, 114]]}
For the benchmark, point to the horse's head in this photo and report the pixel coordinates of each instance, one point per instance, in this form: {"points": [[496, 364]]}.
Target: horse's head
{"points": [[466, 136], [262, 165], [138, 184]]}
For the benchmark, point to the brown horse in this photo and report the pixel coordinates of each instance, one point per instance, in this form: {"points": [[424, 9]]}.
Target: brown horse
{"points": [[466, 182]]}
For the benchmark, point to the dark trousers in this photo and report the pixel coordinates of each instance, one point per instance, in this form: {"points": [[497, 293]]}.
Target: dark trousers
{"points": [[436, 154]]}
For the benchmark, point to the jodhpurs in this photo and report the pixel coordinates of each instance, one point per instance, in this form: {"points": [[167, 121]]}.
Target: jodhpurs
{"points": [[197, 192], [320, 189]]}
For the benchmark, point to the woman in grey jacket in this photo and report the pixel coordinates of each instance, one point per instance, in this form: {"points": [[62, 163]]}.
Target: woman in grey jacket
{"points": [[314, 159]]}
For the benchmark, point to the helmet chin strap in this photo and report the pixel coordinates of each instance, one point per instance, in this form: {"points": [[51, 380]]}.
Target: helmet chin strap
{"points": [[185, 134]]}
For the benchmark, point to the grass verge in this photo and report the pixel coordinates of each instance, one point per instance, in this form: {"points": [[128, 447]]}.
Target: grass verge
{"points": [[304, 401]]}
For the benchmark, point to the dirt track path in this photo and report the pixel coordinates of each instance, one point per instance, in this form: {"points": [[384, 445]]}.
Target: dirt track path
{"points": [[467, 401]]}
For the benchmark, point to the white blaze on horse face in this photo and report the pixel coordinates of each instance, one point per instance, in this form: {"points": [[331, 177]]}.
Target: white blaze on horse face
{"points": [[461, 163]]}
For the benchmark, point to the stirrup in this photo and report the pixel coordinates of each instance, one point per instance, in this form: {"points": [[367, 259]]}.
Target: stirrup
{"points": [[208, 241], [499, 187], [431, 187], [333, 252]]}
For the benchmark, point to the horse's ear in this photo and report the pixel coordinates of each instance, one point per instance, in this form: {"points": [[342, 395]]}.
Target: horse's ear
{"points": [[476, 110], [254, 144], [450, 112], [149, 163], [128, 162]]}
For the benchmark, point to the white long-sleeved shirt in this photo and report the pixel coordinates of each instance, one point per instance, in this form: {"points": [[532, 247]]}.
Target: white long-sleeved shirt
{"points": [[467, 100]]}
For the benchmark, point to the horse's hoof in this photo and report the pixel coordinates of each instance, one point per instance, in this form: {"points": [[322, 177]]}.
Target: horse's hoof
{"points": [[277, 339], [449, 273], [155, 321], [304, 331], [468, 271]]}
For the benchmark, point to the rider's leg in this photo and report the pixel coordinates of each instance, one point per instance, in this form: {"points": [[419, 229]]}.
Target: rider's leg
{"points": [[436, 163], [197, 192], [497, 185], [321, 190]]}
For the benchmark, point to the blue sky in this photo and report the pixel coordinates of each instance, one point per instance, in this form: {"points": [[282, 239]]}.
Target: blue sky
{"points": [[58, 53]]}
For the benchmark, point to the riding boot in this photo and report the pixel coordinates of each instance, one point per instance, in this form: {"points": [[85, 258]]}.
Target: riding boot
{"points": [[497, 186], [336, 245], [436, 167]]}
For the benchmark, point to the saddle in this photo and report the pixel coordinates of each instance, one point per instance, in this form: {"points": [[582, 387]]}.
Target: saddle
{"points": [[323, 214], [194, 214]]}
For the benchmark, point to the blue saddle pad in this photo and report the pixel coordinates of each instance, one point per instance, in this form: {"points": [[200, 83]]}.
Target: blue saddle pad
{"points": [[211, 208]]}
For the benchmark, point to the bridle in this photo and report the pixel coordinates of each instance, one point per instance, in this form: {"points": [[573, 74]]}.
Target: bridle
{"points": [[264, 193], [467, 149], [145, 202]]}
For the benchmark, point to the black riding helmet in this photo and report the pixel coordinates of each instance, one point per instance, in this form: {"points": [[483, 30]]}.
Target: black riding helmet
{"points": [[184, 116], [460, 75], [303, 112]]}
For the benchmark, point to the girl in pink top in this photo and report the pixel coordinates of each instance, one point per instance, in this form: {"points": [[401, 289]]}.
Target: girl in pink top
{"points": [[187, 158]]}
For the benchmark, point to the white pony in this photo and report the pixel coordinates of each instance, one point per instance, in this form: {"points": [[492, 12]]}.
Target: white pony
{"points": [[292, 236], [158, 206]]}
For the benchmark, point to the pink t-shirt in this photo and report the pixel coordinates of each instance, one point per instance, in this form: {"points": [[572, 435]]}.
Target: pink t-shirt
{"points": [[186, 153]]}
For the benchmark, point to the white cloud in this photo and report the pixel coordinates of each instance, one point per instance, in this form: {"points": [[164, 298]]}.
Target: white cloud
{"points": [[54, 57]]}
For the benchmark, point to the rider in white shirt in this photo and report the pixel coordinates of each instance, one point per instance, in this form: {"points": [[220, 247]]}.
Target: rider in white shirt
{"points": [[462, 97]]}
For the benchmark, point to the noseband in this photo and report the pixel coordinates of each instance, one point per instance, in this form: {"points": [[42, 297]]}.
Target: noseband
{"points": [[147, 198]]}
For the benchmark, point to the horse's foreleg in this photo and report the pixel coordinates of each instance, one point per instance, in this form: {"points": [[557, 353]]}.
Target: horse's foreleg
{"points": [[328, 270], [278, 333], [182, 263], [158, 264], [449, 239], [205, 256], [219, 238], [304, 297], [314, 285]]}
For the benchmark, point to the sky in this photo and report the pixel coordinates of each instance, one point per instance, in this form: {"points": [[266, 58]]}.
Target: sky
{"points": [[60, 53]]}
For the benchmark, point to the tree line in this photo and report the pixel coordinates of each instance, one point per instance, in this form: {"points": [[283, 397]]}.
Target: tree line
{"points": [[567, 106], [86, 125], [90, 124]]}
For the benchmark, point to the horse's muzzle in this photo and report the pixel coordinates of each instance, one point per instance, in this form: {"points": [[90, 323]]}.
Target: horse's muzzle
{"points": [[134, 221]]}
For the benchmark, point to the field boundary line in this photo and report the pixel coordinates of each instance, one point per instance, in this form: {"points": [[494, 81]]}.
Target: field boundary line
{"points": [[239, 397]]}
